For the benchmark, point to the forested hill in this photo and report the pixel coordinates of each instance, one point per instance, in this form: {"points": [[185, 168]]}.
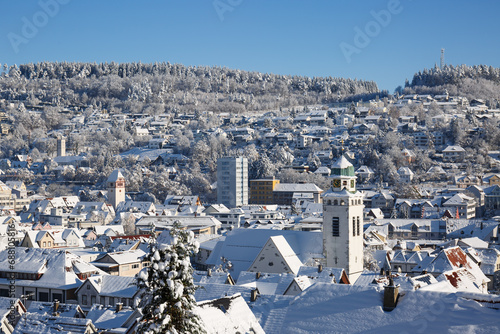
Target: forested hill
{"points": [[479, 81], [165, 86]]}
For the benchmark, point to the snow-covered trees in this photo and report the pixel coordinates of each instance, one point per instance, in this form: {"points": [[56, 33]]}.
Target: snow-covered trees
{"points": [[167, 299]]}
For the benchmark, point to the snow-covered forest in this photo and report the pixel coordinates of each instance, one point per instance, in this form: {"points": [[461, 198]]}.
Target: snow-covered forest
{"points": [[479, 81], [164, 87]]}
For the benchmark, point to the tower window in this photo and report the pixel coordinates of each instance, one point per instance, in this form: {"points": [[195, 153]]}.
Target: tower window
{"points": [[358, 224], [353, 226], [335, 226]]}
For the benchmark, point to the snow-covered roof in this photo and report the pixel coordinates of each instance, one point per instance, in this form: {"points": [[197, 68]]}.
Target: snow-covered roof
{"points": [[453, 148], [242, 246], [297, 187], [342, 163], [64, 310], [115, 176], [56, 266], [48, 324], [327, 308], [107, 318], [266, 283], [229, 314]]}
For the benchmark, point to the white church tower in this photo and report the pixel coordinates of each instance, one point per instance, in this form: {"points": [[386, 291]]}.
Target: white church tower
{"points": [[343, 221], [116, 188]]}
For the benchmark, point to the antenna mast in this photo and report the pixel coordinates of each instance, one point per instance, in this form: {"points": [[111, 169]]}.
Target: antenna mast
{"points": [[442, 59]]}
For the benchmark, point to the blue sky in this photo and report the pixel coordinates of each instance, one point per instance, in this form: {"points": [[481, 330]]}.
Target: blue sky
{"points": [[313, 38]]}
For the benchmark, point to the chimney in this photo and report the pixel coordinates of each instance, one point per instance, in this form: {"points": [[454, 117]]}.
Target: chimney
{"points": [[424, 272], [119, 307], [320, 268], [209, 272], [382, 272], [56, 306], [391, 293], [257, 275], [253, 295]]}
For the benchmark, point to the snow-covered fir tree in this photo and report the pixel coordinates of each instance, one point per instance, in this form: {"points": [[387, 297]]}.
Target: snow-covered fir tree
{"points": [[167, 290]]}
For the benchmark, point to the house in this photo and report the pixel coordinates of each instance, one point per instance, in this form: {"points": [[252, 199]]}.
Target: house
{"points": [[490, 265], [464, 205], [429, 229], [206, 248], [229, 218], [384, 202], [283, 192], [107, 290], [404, 261], [242, 247], [11, 311], [49, 274], [486, 231], [453, 153], [323, 170], [276, 257], [126, 263], [492, 198], [453, 262], [405, 174], [52, 239], [467, 180], [364, 174]]}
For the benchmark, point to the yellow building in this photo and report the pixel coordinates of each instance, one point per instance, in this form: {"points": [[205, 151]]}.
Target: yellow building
{"points": [[261, 190]]}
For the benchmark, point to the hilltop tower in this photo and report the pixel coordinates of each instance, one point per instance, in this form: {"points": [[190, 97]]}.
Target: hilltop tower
{"points": [[343, 221], [116, 188]]}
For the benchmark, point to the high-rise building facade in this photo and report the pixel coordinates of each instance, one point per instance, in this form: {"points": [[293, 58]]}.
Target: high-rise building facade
{"points": [[232, 181]]}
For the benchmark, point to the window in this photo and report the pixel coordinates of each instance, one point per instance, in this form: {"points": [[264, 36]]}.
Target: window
{"points": [[358, 225], [43, 296], [88, 286], [135, 266], [57, 296], [111, 301], [125, 267], [84, 299], [50, 244], [92, 300], [335, 226], [44, 244], [353, 226]]}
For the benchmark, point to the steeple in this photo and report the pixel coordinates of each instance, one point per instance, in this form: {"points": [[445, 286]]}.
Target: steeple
{"points": [[343, 176], [343, 221], [116, 188]]}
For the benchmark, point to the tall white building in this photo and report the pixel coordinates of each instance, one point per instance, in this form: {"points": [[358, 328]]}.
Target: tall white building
{"points": [[61, 147], [343, 221], [116, 188], [232, 181]]}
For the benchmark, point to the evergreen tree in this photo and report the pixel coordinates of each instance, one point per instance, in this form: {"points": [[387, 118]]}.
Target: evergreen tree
{"points": [[167, 290]]}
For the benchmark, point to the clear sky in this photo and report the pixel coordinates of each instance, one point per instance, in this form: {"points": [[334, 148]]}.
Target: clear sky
{"points": [[382, 40]]}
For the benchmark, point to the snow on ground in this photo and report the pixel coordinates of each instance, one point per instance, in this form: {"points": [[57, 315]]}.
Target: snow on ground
{"points": [[336, 308]]}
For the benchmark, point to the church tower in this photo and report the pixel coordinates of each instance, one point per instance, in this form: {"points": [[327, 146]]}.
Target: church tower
{"points": [[343, 221], [116, 188]]}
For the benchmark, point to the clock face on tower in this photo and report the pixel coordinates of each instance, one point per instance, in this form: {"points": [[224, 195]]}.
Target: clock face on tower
{"points": [[352, 183], [336, 183]]}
